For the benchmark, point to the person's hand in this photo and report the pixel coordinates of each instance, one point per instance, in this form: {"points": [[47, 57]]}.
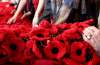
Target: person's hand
{"points": [[11, 20], [34, 25], [13, 11], [92, 36], [35, 21], [26, 14]]}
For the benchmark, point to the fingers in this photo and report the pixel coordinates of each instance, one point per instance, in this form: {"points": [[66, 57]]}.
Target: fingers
{"points": [[92, 36], [26, 14], [12, 12], [11, 20], [34, 25], [90, 31]]}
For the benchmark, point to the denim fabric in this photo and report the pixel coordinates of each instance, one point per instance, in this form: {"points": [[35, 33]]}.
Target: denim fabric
{"points": [[47, 5], [69, 3]]}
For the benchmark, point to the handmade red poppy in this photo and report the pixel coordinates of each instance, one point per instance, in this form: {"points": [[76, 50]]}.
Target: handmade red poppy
{"points": [[27, 58], [54, 29], [64, 26], [94, 61], [82, 26], [24, 37], [36, 50], [13, 46], [81, 51], [3, 56], [40, 34], [68, 61], [55, 49], [19, 29], [2, 36], [45, 24], [89, 22], [71, 34], [43, 62], [62, 40]]}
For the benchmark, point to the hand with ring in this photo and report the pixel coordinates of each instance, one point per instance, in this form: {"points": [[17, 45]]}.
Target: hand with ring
{"points": [[92, 36]]}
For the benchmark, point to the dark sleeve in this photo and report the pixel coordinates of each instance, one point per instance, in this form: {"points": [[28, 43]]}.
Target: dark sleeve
{"points": [[98, 6], [17, 4], [31, 7]]}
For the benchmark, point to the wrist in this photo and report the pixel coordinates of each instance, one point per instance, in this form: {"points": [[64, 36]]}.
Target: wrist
{"points": [[15, 16], [37, 14]]}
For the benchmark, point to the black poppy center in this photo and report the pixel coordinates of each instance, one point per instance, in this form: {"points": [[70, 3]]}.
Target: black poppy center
{"points": [[88, 55], [2, 56], [62, 41], [55, 50], [31, 51], [13, 47], [39, 35], [79, 52], [25, 39]]}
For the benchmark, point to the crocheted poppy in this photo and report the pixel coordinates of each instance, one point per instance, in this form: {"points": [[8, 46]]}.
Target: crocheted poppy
{"points": [[71, 34], [94, 61], [43, 62], [40, 34], [80, 50], [3, 56], [89, 22], [68, 61], [45, 24], [36, 50], [55, 49], [13, 47]]}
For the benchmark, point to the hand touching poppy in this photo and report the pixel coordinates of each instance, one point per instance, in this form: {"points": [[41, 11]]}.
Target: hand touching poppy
{"points": [[91, 35]]}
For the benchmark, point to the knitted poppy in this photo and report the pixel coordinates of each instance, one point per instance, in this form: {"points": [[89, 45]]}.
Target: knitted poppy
{"points": [[62, 40], [13, 47], [79, 26], [45, 24], [3, 56], [81, 51], [82, 26], [94, 61], [43, 62], [55, 49], [54, 29], [19, 29], [64, 26], [89, 22], [2, 35], [71, 34], [40, 34], [27, 57], [36, 50], [24, 37], [68, 61]]}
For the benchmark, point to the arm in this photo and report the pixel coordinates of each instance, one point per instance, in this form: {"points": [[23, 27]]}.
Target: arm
{"points": [[64, 13], [92, 36], [20, 7], [39, 8], [31, 10]]}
